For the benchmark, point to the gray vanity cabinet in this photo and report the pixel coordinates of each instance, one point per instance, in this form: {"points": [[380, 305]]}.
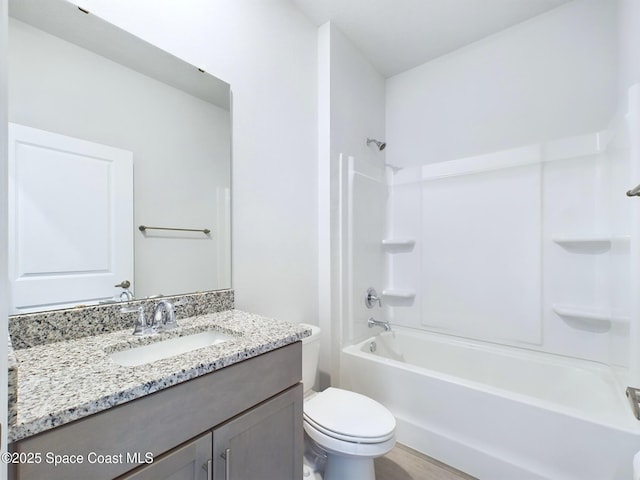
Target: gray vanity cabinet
{"points": [[262, 443], [259, 444], [191, 461], [252, 409]]}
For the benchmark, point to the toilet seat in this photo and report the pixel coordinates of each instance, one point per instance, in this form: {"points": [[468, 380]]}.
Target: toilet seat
{"points": [[349, 417], [346, 448], [347, 438]]}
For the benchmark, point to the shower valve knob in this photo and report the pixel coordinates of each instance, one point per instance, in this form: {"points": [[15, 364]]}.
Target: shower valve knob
{"points": [[371, 298]]}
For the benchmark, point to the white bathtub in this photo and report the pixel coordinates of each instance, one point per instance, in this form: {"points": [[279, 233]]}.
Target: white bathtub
{"points": [[498, 413]]}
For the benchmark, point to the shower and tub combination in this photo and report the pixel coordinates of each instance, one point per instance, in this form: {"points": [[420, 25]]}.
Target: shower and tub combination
{"points": [[494, 411], [508, 283]]}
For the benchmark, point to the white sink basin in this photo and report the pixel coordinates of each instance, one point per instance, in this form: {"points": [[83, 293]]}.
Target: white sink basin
{"points": [[132, 357]]}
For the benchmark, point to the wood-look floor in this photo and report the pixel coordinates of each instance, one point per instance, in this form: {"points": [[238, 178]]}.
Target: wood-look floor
{"points": [[403, 463]]}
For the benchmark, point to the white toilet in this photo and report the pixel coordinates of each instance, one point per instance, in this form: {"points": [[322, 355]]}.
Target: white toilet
{"points": [[351, 429]]}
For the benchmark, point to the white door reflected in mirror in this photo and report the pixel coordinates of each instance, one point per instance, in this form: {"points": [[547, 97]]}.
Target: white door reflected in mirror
{"points": [[70, 219]]}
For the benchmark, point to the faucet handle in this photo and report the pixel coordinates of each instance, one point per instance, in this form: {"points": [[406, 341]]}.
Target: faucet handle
{"points": [[371, 298], [140, 326], [171, 322], [164, 311]]}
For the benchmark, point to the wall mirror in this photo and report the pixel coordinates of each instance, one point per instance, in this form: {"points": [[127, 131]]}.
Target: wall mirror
{"points": [[75, 79]]}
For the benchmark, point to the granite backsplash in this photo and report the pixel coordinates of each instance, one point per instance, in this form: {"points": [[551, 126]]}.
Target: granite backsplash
{"points": [[33, 329]]}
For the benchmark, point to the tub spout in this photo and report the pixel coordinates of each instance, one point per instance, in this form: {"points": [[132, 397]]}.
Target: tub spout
{"points": [[372, 322]]}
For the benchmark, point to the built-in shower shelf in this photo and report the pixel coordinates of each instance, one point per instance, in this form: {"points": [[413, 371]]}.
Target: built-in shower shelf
{"points": [[589, 243], [399, 294], [398, 245], [591, 319]]}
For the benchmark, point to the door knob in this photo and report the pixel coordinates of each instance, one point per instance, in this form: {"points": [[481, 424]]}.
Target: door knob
{"points": [[634, 192]]}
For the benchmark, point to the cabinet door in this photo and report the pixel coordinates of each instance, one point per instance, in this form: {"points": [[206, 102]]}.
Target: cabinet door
{"points": [[264, 443], [191, 461]]}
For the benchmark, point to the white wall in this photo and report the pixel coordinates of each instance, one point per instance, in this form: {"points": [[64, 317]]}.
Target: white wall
{"points": [[180, 145], [357, 101], [351, 97], [329, 271], [629, 28], [266, 50], [553, 76]]}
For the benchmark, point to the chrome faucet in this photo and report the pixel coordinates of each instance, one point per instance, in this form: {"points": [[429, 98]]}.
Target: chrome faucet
{"points": [[376, 323], [164, 316], [126, 295]]}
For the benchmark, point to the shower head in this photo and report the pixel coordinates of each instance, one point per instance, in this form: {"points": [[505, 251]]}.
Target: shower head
{"points": [[381, 145]]}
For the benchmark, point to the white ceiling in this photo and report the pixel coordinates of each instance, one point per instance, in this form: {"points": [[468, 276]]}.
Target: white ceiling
{"points": [[396, 35]]}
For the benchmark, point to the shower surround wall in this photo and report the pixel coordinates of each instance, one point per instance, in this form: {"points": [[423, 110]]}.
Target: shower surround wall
{"points": [[511, 182], [365, 202], [527, 247]]}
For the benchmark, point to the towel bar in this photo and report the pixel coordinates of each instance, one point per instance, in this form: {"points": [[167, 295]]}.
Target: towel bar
{"points": [[206, 231]]}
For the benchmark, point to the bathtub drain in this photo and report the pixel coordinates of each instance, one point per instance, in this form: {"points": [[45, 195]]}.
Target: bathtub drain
{"points": [[372, 347]]}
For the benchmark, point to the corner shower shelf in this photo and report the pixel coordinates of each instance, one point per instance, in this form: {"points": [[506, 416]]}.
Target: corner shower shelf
{"points": [[397, 245], [399, 298], [590, 319], [588, 243], [399, 294]]}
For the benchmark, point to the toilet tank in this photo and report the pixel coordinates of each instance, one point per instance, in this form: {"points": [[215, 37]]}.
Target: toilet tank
{"points": [[310, 356]]}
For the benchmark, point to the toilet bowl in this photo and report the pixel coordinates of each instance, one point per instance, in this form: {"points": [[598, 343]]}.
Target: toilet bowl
{"points": [[350, 428]]}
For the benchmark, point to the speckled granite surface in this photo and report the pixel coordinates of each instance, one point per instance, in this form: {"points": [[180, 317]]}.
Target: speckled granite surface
{"points": [[32, 329], [12, 385], [63, 381]]}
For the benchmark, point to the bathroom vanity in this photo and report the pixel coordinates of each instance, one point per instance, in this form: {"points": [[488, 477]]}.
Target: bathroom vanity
{"points": [[227, 411], [231, 409]]}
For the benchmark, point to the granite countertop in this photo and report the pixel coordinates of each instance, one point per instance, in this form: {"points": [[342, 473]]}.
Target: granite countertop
{"points": [[65, 381]]}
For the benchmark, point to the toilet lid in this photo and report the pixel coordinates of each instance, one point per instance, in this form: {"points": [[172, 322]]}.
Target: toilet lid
{"points": [[350, 416]]}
